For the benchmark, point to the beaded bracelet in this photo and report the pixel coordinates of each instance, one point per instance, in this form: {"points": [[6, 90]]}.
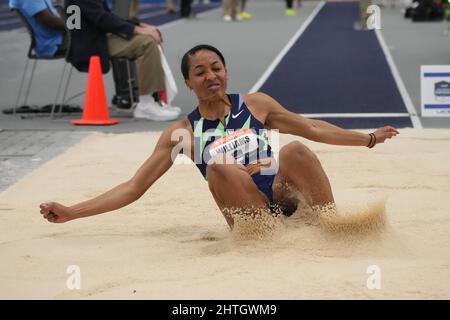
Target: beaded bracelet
{"points": [[373, 141]]}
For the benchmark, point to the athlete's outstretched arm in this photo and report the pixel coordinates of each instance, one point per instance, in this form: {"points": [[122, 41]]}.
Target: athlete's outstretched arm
{"points": [[125, 193], [277, 117]]}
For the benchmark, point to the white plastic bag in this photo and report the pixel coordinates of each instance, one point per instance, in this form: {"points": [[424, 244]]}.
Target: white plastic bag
{"points": [[171, 86]]}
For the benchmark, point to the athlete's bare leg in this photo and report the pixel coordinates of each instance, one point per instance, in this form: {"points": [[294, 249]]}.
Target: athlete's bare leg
{"points": [[232, 187], [300, 167]]}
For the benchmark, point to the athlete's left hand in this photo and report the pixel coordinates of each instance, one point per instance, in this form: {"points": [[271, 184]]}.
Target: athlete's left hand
{"points": [[384, 133]]}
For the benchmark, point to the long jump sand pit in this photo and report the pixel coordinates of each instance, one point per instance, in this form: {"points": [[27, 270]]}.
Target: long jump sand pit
{"points": [[173, 243]]}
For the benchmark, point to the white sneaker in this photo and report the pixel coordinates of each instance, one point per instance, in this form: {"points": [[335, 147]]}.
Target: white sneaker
{"points": [[153, 111], [176, 109], [227, 18]]}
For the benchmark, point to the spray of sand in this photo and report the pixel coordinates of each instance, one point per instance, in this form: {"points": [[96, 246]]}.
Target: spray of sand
{"points": [[253, 223], [370, 217], [345, 219], [356, 228]]}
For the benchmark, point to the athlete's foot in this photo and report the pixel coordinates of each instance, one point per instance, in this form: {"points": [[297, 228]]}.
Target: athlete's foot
{"points": [[290, 13], [244, 15]]}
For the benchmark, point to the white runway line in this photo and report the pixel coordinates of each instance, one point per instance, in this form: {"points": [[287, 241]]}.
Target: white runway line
{"points": [[285, 50], [355, 115], [415, 120]]}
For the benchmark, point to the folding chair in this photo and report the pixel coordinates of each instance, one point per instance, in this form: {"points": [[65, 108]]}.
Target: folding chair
{"points": [[32, 56]]}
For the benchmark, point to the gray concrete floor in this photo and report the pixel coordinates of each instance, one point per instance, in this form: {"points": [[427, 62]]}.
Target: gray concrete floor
{"points": [[23, 151], [249, 48]]}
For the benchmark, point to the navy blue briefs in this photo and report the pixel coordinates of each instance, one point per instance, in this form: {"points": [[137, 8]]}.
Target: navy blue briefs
{"points": [[264, 183]]}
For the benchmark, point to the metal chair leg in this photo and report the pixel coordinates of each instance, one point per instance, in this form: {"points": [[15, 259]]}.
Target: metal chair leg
{"points": [[29, 84], [21, 87], [67, 84], [65, 90], [130, 84], [58, 90]]}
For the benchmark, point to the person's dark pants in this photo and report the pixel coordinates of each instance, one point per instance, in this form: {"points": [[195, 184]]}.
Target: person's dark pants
{"points": [[185, 8], [289, 4]]}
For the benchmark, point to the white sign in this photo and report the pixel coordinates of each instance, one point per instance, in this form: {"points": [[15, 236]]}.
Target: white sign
{"points": [[435, 91]]}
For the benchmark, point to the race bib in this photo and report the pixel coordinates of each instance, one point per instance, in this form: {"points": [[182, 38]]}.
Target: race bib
{"points": [[237, 144]]}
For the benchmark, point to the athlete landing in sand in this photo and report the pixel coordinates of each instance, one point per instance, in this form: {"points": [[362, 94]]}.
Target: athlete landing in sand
{"points": [[225, 137]]}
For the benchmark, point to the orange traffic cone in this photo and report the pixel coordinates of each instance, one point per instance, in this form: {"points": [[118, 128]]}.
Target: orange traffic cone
{"points": [[95, 110]]}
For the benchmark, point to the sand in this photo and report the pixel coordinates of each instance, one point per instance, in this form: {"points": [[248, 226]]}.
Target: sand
{"points": [[173, 243]]}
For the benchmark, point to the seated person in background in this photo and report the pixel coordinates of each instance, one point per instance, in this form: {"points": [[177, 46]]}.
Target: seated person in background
{"points": [[48, 27], [104, 34]]}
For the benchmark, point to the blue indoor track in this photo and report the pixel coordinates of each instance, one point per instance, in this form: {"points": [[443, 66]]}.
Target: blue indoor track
{"points": [[334, 69]]}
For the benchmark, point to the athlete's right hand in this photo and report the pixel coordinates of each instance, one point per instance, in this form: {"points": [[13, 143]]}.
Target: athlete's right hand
{"points": [[55, 212]]}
